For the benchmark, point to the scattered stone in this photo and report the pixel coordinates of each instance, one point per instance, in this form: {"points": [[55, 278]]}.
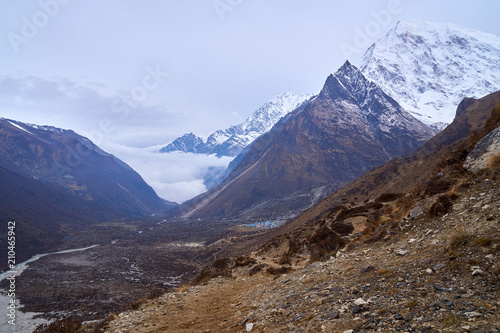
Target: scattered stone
{"points": [[428, 271], [412, 240], [356, 309], [477, 272], [439, 287], [367, 269], [333, 315], [416, 212], [401, 252], [360, 301], [438, 267], [349, 331], [398, 316], [472, 314]]}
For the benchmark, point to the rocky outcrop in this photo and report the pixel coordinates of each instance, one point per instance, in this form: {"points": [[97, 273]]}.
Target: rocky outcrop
{"points": [[486, 152]]}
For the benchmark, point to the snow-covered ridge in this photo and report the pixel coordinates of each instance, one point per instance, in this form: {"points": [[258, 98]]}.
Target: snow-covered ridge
{"points": [[231, 141], [430, 67], [20, 125]]}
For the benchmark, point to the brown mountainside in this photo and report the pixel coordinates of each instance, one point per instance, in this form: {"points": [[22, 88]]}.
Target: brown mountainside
{"points": [[349, 128], [414, 248], [432, 169]]}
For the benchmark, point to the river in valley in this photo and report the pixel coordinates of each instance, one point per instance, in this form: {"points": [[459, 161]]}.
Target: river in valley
{"points": [[24, 322]]}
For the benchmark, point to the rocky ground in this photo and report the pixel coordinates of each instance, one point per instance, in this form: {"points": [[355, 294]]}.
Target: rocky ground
{"points": [[434, 274], [134, 260]]}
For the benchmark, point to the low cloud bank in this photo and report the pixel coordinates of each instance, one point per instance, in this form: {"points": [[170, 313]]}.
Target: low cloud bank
{"points": [[174, 176]]}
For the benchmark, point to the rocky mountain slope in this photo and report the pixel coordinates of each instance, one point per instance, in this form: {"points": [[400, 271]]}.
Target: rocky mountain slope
{"points": [[420, 255], [64, 158], [53, 177], [430, 67], [231, 141], [433, 275], [349, 128]]}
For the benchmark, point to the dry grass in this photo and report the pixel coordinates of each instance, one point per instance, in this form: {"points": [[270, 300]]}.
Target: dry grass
{"points": [[482, 241], [461, 237], [450, 319], [442, 204], [65, 325], [411, 304], [385, 272]]}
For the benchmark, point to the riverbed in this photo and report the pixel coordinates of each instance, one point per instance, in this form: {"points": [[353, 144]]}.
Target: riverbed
{"points": [[24, 321]]}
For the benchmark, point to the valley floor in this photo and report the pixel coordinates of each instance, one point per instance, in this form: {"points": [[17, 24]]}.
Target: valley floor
{"points": [[437, 274]]}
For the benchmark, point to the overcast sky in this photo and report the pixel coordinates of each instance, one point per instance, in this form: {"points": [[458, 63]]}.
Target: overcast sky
{"points": [[140, 73]]}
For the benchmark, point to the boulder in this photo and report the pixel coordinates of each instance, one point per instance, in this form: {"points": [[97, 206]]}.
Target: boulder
{"points": [[485, 153]]}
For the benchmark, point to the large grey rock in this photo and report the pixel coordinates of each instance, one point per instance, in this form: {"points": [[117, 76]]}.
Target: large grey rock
{"points": [[416, 212], [484, 154]]}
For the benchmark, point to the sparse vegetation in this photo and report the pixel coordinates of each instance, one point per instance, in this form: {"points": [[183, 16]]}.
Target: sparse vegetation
{"points": [[411, 304], [450, 319], [388, 197], [65, 325], [442, 205], [278, 271], [385, 272], [483, 241], [461, 237]]}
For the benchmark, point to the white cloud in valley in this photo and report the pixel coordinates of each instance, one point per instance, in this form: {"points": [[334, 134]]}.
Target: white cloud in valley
{"points": [[175, 176]]}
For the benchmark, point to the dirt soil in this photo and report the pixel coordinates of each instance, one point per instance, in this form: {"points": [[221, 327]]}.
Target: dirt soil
{"points": [[435, 274]]}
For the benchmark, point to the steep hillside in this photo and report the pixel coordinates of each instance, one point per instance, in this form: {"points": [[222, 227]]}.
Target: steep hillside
{"points": [[428, 261], [423, 168], [430, 67], [64, 158], [349, 128], [433, 169], [54, 181]]}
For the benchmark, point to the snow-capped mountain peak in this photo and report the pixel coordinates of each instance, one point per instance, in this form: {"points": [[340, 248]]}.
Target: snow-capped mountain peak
{"points": [[266, 116], [430, 67], [231, 141]]}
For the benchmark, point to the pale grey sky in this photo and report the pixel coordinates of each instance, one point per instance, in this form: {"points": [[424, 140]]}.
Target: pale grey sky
{"points": [[63, 61], [138, 73]]}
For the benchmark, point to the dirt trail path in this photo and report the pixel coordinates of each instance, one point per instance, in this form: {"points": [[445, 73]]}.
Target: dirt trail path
{"points": [[210, 308]]}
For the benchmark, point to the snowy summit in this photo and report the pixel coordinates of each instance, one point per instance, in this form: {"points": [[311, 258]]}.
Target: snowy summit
{"points": [[430, 67], [231, 141]]}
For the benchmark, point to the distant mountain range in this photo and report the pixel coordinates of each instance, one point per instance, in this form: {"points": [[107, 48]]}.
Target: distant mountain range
{"points": [[53, 178], [350, 127], [231, 141], [430, 67]]}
